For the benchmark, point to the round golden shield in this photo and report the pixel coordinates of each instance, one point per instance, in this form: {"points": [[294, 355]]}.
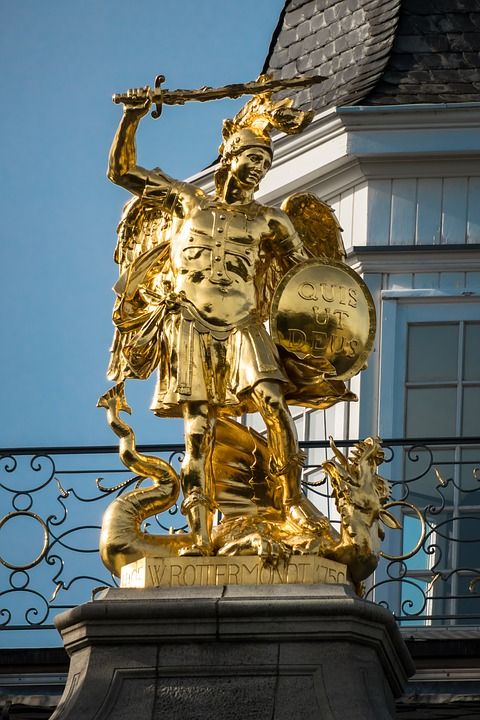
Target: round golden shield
{"points": [[324, 312]]}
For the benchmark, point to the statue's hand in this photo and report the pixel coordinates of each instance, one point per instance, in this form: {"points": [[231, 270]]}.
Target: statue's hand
{"points": [[138, 102]]}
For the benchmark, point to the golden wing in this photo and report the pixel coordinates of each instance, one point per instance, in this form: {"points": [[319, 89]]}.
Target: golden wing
{"points": [[321, 234], [316, 224], [142, 254], [267, 279]]}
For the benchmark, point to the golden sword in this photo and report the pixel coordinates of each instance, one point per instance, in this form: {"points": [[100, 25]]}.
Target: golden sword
{"points": [[264, 84]]}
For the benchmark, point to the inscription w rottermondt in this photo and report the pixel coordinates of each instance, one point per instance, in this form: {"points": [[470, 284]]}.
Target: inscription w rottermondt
{"points": [[171, 572], [238, 573]]}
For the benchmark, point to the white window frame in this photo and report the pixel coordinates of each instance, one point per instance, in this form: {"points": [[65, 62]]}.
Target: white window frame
{"points": [[399, 309]]}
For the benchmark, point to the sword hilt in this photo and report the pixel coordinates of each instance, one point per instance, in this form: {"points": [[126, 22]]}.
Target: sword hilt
{"points": [[158, 92], [155, 96]]}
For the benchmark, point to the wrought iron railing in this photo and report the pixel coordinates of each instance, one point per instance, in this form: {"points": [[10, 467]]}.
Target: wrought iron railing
{"points": [[52, 500]]}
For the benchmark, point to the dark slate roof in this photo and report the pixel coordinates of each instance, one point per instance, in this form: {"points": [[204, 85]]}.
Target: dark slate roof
{"points": [[435, 55], [380, 52]]}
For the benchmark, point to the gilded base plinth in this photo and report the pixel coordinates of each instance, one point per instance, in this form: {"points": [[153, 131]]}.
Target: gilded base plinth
{"points": [[151, 572], [282, 652]]}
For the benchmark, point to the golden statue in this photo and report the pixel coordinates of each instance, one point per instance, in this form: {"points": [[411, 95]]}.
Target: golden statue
{"points": [[199, 277]]}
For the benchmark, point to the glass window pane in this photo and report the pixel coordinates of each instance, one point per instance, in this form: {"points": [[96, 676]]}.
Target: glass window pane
{"points": [[432, 352], [430, 412], [429, 476], [440, 540], [470, 476], [471, 411], [468, 540], [471, 364], [412, 533], [468, 603]]}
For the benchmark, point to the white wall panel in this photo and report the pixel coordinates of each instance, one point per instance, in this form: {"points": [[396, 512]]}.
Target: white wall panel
{"points": [[360, 214], [452, 281], [403, 214], [338, 420], [353, 430], [379, 212], [472, 282], [400, 281], [454, 210], [421, 211], [368, 395], [447, 282], [346, 217], [473, 218], [317, 429], [429, 211], [351, 208], [335, 204], [425, 281], [410, 211]]}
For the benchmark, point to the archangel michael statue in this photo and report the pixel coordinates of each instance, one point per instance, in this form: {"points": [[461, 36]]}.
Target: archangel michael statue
{"points": [[198, 278]]}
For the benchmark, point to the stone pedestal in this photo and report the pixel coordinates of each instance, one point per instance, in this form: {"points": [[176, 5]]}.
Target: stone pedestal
{"points": [[278, 652]]}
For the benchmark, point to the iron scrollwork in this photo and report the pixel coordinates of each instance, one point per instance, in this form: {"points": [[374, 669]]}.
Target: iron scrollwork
{"points": [[50, 527], [435, 581]]}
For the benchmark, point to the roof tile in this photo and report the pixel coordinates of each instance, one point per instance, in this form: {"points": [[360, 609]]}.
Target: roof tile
{"points": [[295, 50], [304, 29], [431, 55]]}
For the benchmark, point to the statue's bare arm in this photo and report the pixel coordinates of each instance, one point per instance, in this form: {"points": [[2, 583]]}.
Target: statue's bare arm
{"points": [[285, 240], [122, 162]]}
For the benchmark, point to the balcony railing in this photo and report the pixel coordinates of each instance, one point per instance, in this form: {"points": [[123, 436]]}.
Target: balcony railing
{"points": [[52, 501]]}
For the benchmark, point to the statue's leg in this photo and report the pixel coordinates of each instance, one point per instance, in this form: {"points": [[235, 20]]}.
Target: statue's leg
{"points": [[286, 457], [196, 476]]}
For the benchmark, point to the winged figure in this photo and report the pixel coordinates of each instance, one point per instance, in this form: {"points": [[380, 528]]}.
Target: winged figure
{"points": [[197, 275]]}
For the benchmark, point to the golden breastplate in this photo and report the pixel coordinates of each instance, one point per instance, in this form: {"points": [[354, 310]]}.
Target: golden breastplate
{"points": [[219, 244], [213, 259]]}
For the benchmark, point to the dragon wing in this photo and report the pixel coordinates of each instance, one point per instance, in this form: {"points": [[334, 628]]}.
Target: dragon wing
{"points": [[316, 224], [142, 253]]}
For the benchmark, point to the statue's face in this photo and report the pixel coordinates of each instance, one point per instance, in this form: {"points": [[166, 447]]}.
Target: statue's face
{"points": [[249, 166]]}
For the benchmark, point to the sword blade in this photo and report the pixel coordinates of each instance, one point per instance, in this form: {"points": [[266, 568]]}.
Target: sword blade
{"points": [[236, 90]]}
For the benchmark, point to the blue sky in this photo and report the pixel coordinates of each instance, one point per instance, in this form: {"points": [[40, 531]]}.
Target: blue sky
{"points": [[60, 62]]}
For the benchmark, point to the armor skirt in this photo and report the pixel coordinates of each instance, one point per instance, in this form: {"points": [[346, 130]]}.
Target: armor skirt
{"points": [[200, 364]]}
